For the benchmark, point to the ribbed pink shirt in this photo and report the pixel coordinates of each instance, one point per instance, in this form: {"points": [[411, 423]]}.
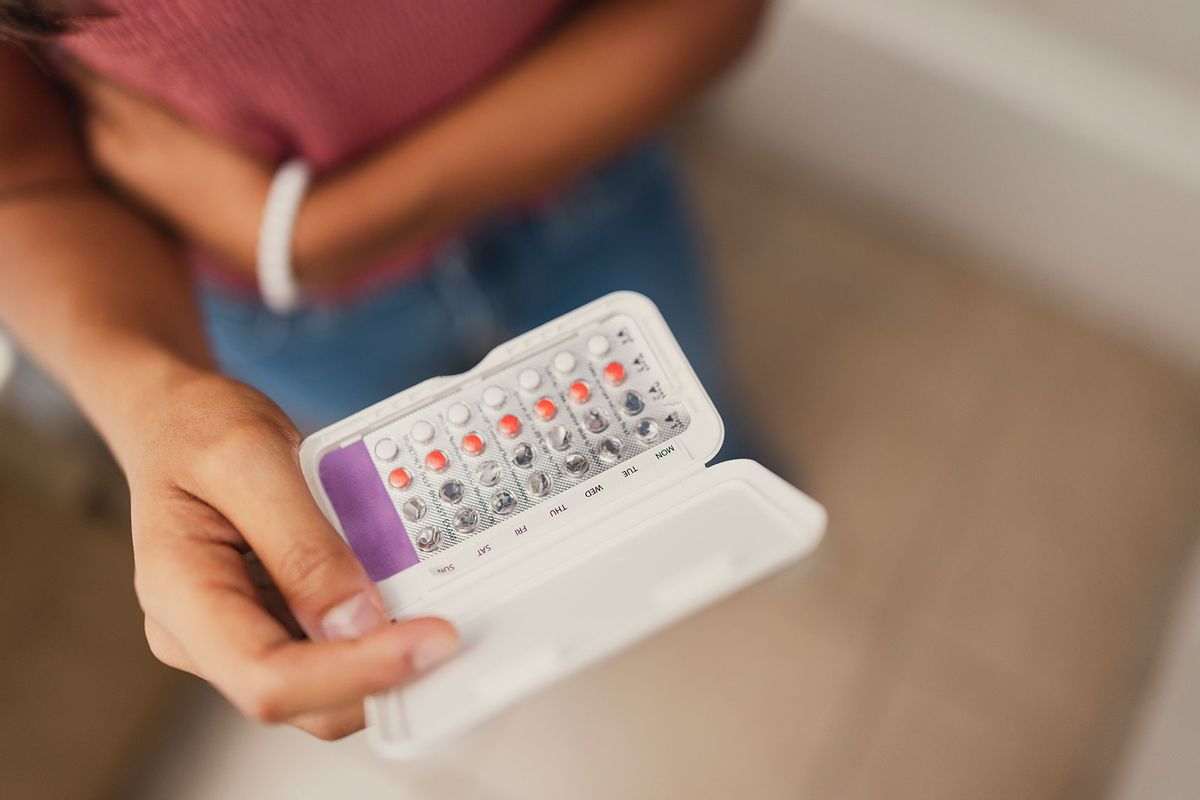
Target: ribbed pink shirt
{"points": [[323, 79]]}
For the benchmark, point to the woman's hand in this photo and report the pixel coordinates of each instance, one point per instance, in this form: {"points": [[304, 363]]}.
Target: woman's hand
{"points": [[213, 192], [204, 187], [103, 302], [217, 493]]}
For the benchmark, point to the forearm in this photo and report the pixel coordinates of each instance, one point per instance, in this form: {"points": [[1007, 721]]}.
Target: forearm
{"points": [[99, 299], [603, 80], [91, 291]]}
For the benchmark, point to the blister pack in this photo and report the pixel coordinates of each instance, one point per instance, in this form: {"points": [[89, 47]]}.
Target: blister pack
{"points": [[554, 503]]}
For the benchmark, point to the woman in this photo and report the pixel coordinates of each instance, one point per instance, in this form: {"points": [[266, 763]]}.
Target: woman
{"points": [[477, 171]]}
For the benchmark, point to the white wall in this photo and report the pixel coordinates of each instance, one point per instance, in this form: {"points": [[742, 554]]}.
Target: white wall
{"points": [[1157, 35], [1072, 164]]}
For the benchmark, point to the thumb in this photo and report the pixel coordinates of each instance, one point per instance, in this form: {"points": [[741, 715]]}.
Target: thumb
{"points": [[268, 501]]}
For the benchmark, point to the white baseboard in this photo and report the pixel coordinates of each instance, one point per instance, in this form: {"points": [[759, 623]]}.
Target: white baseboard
{"points": [[1063, 162]]}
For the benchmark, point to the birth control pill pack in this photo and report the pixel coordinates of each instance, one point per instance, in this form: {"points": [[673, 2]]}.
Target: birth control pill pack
{"points": [[554, 503]]}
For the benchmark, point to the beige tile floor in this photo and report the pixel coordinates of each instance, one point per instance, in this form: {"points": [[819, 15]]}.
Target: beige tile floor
{"points": [[1013, 496], [80, 696]]}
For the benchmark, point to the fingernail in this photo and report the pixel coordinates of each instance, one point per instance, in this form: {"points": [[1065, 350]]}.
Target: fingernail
{"points": [[352, 618], [433, 650]]}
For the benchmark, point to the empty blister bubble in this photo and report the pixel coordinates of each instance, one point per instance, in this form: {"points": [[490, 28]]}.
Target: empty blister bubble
{"points": [[539, 484], [609, 449], [559, 437], [632, 403], [465, 520], [503, 502], [452, 491], [413, 509], [647, 430], [428, 539], [576, 464], [488, 473], [523, 455]]}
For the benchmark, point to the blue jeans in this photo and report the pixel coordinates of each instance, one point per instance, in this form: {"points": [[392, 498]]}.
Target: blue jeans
{"points": [[624, 227]]}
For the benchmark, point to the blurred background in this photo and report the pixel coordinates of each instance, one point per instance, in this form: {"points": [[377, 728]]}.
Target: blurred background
{"points": [[955, 243]]}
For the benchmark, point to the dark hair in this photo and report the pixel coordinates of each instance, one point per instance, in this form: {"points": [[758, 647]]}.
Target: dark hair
{"points": [[32, 20]]}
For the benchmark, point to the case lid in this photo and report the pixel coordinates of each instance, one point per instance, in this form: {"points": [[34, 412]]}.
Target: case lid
{"points": [[636, 571]]}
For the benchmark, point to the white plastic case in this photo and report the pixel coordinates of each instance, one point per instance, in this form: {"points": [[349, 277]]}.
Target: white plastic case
{"points": [[583, 575]]}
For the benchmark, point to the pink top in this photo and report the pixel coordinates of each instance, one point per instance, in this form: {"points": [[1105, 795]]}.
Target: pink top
{"points": [[320, 79]]}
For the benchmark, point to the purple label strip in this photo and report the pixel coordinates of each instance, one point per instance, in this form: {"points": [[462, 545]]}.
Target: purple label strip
{"points": [[374, 529]]}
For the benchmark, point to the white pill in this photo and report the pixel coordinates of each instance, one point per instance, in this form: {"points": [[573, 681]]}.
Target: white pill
{"points": [[421, 431], [598, 345], [387, 449], [564, 362], [458, 414], [529, 379], [494, 396]]}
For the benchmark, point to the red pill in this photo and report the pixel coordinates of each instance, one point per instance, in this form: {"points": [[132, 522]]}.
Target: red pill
{"points": [[509, 425], [545, 408], [436, 461], [614, 373], [580, 392], [399, 478]]}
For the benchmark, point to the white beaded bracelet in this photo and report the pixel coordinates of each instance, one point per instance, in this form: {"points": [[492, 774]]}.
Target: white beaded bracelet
{"points": [[276, 278]]}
